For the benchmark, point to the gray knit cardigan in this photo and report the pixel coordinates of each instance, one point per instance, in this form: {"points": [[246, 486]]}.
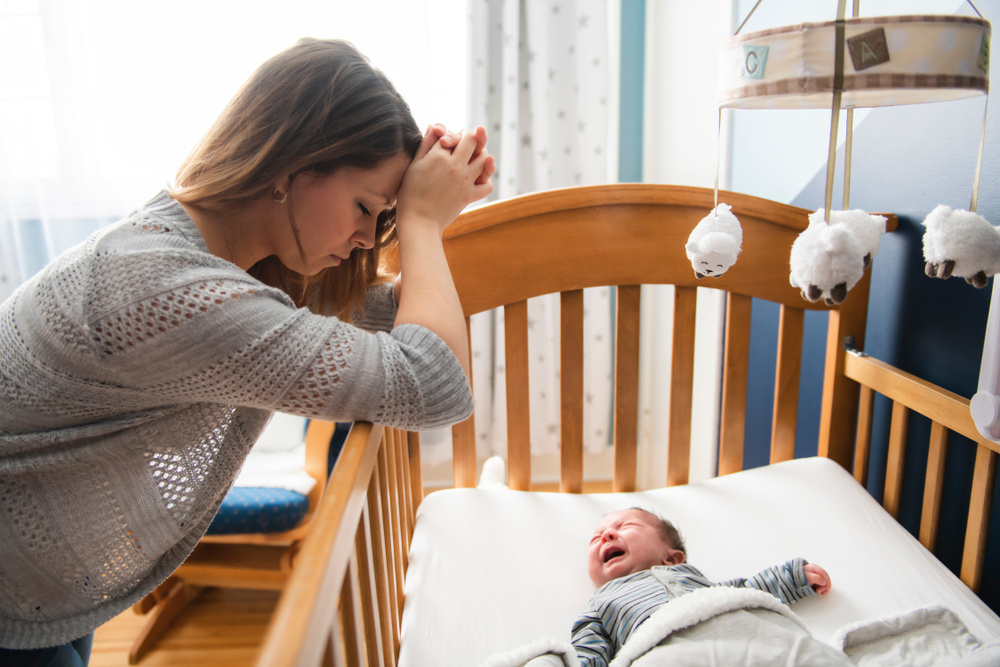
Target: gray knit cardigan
{"points": [[136, 371]]}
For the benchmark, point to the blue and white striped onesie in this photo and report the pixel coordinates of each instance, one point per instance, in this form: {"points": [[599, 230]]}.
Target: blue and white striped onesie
{"points": [[621, 605]]}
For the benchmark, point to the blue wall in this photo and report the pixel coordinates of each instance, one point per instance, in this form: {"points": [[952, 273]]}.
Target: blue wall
{"points": [[906, 161]]}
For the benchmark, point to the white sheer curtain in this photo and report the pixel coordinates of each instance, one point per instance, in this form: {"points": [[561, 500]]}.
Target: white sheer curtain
{"points": [[541, 84], [100, 100]]}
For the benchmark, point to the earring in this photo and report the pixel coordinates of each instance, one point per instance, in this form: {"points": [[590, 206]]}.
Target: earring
{"points": [[279, 196]]}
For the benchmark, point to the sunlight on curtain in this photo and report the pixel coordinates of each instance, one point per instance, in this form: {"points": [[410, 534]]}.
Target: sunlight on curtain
{"points": [[101, 101], [540, 83]]}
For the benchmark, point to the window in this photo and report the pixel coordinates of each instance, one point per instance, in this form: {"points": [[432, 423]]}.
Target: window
{"points": [[100, 101]]}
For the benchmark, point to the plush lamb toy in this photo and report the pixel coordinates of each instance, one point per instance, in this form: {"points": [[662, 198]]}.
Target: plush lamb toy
{"points": [[867, 229], [961, 243], [827, 261], [715, 242]]}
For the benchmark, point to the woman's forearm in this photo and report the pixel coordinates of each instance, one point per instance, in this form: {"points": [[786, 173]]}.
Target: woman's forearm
{"points": [[448, 172], [429, 298]]}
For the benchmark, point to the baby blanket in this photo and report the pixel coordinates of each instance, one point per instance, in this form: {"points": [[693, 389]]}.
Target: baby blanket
{"points": [[734, 626]]}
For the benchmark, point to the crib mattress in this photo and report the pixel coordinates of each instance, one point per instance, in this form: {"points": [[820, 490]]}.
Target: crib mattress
{"points": [[492, 569]]}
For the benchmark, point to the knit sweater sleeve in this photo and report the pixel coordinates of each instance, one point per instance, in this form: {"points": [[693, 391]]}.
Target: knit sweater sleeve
{"points": [[168, 324], [243, 344], [379, 310]]}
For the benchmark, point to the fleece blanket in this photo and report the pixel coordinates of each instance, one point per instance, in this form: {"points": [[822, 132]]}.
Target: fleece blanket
{"points": [[745, 627], [923, 637]]}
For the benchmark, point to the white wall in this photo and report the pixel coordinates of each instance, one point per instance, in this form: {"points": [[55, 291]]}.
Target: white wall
{"points": [[681, 148]]}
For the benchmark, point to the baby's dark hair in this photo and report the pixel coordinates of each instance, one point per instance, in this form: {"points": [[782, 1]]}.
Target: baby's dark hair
{"points": [[668, 531]]}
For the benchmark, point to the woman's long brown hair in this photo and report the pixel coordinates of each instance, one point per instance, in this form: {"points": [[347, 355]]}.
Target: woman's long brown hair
{"points": [[315, 107]]}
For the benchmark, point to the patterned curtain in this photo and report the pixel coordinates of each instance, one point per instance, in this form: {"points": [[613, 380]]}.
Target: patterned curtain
{"points": [[540, 84]]}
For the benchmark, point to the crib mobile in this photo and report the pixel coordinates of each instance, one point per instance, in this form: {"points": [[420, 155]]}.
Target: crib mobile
{"points": [[842, 65]]}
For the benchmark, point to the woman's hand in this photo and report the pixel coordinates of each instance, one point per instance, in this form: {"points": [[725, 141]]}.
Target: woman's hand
{"points": [[448, 172], [450, 140]]}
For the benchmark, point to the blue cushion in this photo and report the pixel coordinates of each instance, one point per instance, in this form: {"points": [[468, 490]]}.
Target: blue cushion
{"points": [[258, 510]]}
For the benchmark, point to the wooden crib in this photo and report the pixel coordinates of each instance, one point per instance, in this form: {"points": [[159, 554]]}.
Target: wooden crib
{"points": [[344, 602]]}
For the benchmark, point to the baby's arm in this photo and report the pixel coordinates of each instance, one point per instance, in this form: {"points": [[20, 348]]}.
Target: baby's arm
{"points": [[591, 641], [788, 582]]}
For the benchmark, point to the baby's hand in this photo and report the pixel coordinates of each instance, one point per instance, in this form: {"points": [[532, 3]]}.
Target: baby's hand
{"points": [[817, 578]]}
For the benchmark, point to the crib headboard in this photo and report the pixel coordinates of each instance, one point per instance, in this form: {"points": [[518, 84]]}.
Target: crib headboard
{"points": [[344, 601], [627, 235]]}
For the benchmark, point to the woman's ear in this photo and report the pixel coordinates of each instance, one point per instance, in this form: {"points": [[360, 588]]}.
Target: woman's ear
{"points": [[281, 189]]}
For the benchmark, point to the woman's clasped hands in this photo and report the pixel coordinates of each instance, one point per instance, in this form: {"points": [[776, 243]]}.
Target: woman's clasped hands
{"points": [[449, 171]]}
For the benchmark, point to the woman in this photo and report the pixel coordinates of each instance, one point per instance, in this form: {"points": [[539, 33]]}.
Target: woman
{"points": [[140, 366]]}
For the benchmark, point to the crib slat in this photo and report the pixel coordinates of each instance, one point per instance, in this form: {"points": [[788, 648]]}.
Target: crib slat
{"points": [[681, 385], [933, 485], [392, 485], [330, 658], [732, 425], [571, 391], [416, 474], [399, 546], [334, 650], [402, 496], [463, 443], [350, 612], [393, 560], [840, 395], [894, 463], [786, 384], [983, 481], [383, 574], [518, 399], [863, 441], [366, 579], [404, 483], [626, 385]]}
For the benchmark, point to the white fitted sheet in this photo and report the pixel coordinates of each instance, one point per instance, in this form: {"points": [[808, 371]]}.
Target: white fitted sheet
{"points": [[492, 569]]}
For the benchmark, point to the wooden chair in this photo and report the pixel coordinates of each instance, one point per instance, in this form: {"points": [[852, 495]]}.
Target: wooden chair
{"points": [[259, 561]]}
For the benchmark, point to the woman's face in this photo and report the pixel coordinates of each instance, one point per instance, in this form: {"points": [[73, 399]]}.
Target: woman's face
{"points": [[336, 213]]}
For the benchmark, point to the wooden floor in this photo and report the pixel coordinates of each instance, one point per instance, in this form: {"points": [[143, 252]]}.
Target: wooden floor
{"points": [[221, 628]]}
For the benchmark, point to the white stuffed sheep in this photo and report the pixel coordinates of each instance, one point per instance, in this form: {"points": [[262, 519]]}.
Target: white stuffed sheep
{"points": [[867, 229], [715, 242], [960, 243], [826, 261]]}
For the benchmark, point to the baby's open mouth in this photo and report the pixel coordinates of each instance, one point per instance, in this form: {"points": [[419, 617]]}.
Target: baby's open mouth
{"points": [[611, 554]]}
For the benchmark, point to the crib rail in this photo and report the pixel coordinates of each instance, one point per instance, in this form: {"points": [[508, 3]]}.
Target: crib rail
{"points": [[344, 602], [948, 412], [639, 231]]}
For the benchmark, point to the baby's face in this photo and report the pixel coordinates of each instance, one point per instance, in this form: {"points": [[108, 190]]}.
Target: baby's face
{"points": [[627, 542]]}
